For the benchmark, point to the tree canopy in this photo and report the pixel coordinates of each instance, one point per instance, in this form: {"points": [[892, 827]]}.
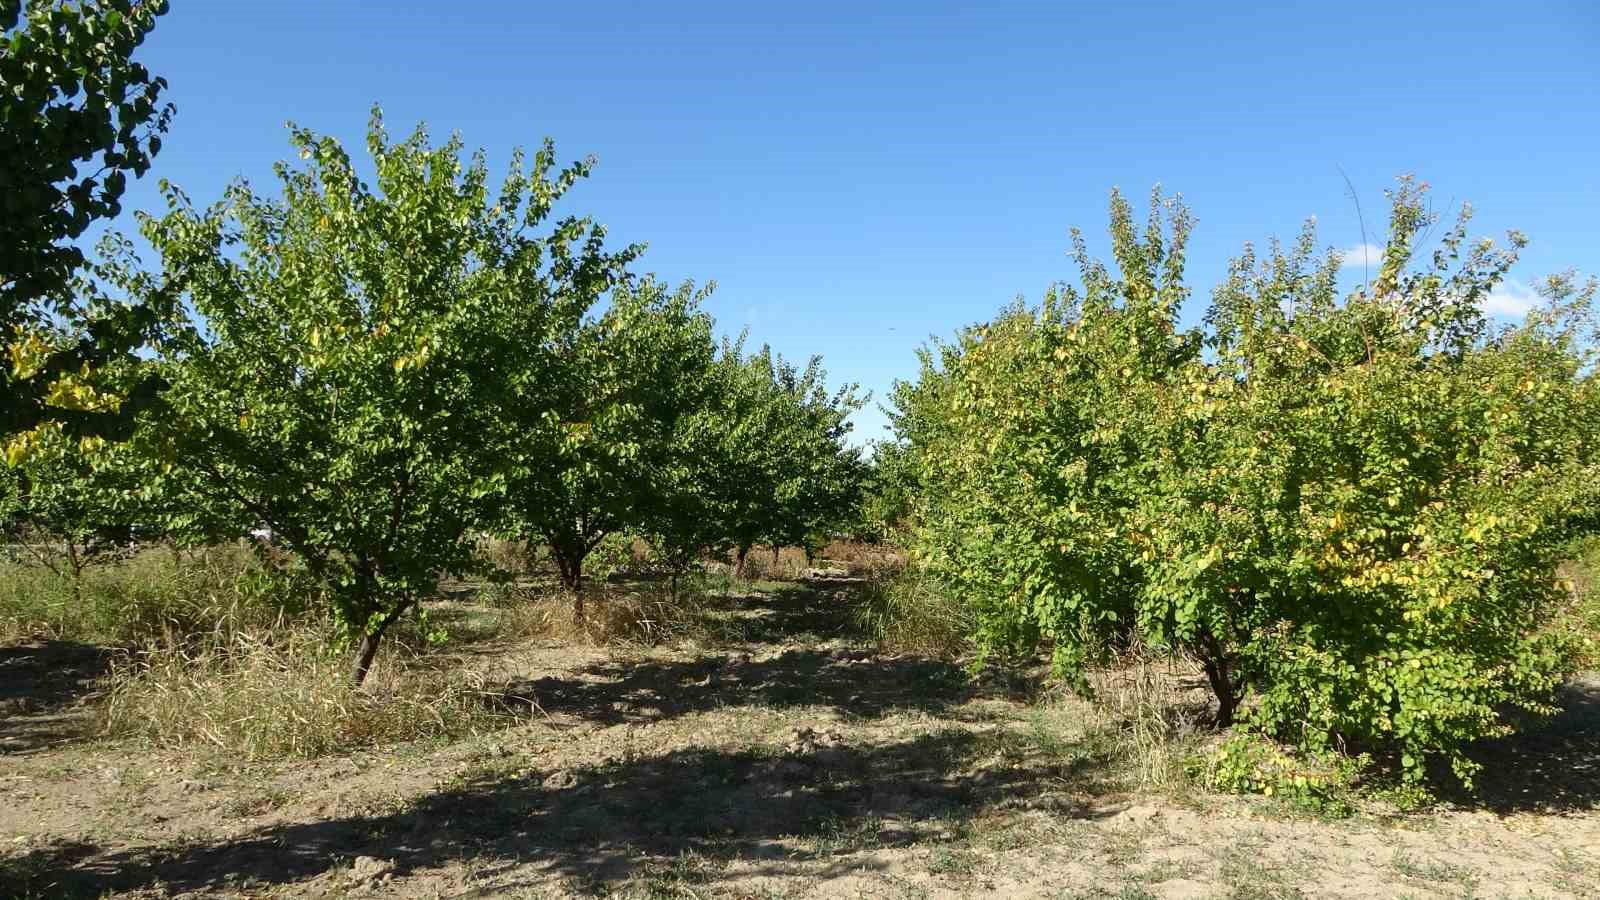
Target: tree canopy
{"points": [[345, 347], [78, 116], [1351, 510]]}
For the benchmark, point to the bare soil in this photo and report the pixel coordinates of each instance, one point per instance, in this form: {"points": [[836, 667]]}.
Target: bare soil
{"points": [[790, 760]]}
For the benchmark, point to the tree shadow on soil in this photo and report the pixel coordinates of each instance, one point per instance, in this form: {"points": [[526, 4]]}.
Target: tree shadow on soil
{"points": [[855, 682], [41, 684], [811, 807], [798, 611], [1551, 766]]}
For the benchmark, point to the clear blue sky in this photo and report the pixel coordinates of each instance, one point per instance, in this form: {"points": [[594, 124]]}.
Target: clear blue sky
{"points": [[859, 176]]}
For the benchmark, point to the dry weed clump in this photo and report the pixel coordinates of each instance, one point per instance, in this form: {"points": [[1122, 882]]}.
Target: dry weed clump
{"points": [[611, 616], [875, 561], [1152, 708], [1579, 617], [279, 693], [911, 613], [768, 563], [517, 558]]}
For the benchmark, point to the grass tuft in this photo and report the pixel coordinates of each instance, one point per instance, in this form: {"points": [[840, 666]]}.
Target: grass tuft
{"points": [[910, 613]]}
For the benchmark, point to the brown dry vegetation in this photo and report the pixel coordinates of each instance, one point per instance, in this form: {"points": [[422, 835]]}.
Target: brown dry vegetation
{"points": [[747, 741]]}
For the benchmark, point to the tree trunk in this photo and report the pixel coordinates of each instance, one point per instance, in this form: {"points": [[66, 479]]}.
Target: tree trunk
{"points": [[1217, 672], [571, 572], [738, 560], [569, 562], [77, 572], [368, 648]]}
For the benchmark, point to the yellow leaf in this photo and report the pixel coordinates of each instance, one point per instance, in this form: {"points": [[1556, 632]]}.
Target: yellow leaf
{"points": [[28, 355]]}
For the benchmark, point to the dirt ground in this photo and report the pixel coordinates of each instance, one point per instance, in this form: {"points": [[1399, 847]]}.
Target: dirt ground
{"points": [[791, 760]]}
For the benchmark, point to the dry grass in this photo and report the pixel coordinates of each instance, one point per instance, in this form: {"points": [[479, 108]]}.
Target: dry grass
{"points": [[1580, 617], [611, 616], [875, 561], [513, 557], [225, 651], [910, 613], [154, 595], [281, 693], [764, 563], [1153, 717]]}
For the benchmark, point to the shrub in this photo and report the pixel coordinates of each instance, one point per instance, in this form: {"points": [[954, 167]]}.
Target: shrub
{"points": [[1321, 783], [1349, 512]]}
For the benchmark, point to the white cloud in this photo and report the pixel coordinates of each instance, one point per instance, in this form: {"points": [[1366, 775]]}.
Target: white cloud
{"points": [[1511, 299], [1369, 255]]}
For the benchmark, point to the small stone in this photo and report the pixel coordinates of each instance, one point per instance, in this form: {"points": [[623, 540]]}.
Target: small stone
{"points": [[367, 871], [560, 779]]}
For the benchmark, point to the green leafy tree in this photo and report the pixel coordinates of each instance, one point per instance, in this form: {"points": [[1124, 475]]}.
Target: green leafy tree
{"points": [[1348, 509], [888, 491], [603, 429], [70, 500], [78, 115], [1033, 439], [766, 461], [349, 349], [1364, 514]]}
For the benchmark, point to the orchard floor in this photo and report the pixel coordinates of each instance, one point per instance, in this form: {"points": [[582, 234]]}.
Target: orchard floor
{"points": [[790, 760]]}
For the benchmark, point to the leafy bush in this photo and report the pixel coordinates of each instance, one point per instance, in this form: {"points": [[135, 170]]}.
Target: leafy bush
{"points": [[1351, 511], [1321, 783]]}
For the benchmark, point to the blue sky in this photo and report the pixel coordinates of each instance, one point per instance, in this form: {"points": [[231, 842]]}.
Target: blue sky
{"points": [[859, 176]]}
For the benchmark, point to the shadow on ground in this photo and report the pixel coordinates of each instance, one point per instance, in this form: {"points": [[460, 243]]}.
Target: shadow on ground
{"points": [[1551, 765], [850, 679], [797, 611], [595, 826], [854, 682], [40, 686]]}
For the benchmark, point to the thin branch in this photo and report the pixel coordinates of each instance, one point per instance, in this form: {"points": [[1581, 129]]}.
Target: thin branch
{"points": [[1366, 285]]}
